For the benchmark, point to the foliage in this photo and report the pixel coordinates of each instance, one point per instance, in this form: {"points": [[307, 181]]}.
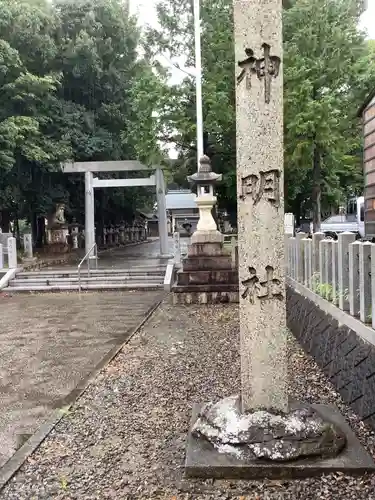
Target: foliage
{"points": [[73, 87], [328, 71], [325, 82]]}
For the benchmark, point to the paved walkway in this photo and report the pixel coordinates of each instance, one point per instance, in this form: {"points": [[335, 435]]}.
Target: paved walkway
{"points": [[134, 255], [49, 344]]}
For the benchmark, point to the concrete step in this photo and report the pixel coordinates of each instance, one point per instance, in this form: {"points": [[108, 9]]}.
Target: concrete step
{"points": [[105, 270], [109, 274], [68, 284], [85, 279], [60, 288]]}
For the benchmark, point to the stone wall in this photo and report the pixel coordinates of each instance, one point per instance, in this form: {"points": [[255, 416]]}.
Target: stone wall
{"points": [[341, 345]]}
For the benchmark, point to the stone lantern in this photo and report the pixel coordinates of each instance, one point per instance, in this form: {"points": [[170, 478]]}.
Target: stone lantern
{"points": [[205, 181], [208, 274]]}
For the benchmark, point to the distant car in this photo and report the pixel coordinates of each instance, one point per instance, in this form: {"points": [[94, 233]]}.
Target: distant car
{"points": [[337, 224]]}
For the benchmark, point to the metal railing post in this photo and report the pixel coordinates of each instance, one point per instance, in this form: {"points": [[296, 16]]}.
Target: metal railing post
{"points": [[87, 256]]}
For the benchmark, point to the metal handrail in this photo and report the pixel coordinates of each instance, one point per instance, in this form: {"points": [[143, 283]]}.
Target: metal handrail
{"points": [[87, 256]]}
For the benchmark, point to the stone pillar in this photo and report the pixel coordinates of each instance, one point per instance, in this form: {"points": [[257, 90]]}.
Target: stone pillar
{"points": [[12, 253], [177, 248], [122, 234], [354, 278], [259, 115], [372, 285], [308, 270], [1, 256], [162, 212], [28, 246], [335, 273], [234, 252], [110, 236], [345, 239], [327, 278], [89, 212], [365, 282], [289, 224], [320, 280], [316, 239], [300, 257], [292, 257]]}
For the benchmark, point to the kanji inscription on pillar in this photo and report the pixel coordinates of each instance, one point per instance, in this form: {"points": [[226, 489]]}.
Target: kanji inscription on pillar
{"points": [[269, 288], [265, 185], [266, 67]]}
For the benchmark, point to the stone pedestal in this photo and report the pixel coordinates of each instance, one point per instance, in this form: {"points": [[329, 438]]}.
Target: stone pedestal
{"points": [[207, 275], [12, 253], [58, 240], [28, 249]]}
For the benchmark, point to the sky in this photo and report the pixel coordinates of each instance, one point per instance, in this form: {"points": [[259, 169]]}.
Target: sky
{"points": [[146, 11]]}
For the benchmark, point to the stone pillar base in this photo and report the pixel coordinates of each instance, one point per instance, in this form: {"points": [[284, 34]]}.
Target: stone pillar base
{"points": [[230, 461]]}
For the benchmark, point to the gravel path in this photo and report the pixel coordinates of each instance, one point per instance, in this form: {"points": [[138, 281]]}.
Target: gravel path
{"points": [[125, 438]]}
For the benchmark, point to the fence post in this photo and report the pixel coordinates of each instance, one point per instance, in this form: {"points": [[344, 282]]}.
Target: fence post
{"points": [[287, 254], [322, 263], [299, 257], [354, 278], [316, 239], [177, 247], [328, 269], [233, 243], [292, 258], [1, 256], [307, 252], [373, 286], [12, 253], [345, 239], [365, 281], [335, 273]]}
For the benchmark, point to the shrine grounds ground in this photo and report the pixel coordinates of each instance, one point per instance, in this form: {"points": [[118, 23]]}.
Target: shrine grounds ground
{"points": [[125, 437]]}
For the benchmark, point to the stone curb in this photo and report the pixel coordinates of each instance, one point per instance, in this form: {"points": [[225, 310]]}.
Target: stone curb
{"points": [[20, 456]]}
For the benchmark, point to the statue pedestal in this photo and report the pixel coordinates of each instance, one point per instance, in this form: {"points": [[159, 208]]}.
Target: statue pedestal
{"points": [[57, 239]]}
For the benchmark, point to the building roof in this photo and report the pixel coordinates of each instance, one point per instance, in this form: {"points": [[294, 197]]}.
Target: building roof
{"points": [[369, 98], [181, 199]]}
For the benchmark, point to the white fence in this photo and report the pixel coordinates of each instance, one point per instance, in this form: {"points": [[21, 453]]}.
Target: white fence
{"points": [[342, 272]]}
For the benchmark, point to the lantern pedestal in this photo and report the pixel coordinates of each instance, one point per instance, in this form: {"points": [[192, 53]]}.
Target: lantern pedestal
{"points": [[206, 228]]}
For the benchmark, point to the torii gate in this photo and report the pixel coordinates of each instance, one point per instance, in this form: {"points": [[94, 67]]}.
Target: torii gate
{"points": [[156, 179]]}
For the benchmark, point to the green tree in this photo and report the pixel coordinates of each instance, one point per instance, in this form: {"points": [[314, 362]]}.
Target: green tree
{"points": [[175, 43], [73, 87], [323, 64], [328, 70]]}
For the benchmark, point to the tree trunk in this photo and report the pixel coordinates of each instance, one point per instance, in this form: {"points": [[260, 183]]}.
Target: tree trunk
{"points": [[34, 227], [316, 191], [17, 231], [4, 221], [39, 240]]}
